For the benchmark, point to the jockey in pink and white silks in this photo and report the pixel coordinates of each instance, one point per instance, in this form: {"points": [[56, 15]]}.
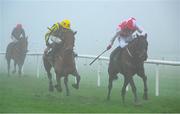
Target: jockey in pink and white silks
{"points": [[124, 34]]}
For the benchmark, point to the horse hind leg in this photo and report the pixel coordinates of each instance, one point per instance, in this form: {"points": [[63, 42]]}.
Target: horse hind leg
{"points": [[66, 85], [78, 78]]}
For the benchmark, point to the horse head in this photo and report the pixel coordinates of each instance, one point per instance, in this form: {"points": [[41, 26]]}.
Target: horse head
{"points": [[140, 47], [68, 41]]}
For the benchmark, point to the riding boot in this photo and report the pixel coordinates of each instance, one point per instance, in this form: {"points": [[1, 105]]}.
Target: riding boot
{"points": [[118, 54], [46, 51], [52, 52], [53, 55]]}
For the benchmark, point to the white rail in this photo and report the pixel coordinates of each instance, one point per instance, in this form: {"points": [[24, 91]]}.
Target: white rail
{"points": [[149, 61]]}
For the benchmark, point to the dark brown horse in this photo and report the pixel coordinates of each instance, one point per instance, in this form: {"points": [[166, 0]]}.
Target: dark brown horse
{"points": [[130, 62], [63, 63], [17, 52]]}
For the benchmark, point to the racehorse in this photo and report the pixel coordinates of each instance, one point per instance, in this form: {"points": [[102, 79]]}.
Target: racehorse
{"points": [[130, 61], [17, 52], [63, 63]]}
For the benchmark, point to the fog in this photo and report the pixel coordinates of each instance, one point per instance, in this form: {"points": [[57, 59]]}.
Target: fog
{"points": [[96, 22]]}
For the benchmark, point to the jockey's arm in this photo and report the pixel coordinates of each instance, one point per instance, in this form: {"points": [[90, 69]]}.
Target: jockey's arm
{"points": [[47, 38], [114, 38], [12, 34], [23, 33], [140, 30], [47, 35]]}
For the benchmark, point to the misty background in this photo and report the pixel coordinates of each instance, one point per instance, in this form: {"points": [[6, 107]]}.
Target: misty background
{"points": [[96, 22]]}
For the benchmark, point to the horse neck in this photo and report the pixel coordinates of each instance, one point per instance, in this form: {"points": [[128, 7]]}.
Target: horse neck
{"points": [[21, 45], [69, 41], [132, 48]]}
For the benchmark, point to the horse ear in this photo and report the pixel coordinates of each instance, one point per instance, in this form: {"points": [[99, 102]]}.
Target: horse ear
{"points": [[75, 33]]}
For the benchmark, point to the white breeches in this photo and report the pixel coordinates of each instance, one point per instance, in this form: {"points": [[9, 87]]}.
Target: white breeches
{"points": [[55, 39], [123, 41]]}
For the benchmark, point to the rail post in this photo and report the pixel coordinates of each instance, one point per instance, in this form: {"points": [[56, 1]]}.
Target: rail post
{"points": [[157, 80], [99, 73], [37, 66]]}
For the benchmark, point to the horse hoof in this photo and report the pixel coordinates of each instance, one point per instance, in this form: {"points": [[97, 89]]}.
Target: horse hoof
{"points": [[13, 71], [51, 89], [108, 98], [67, 94], [58, 88], [137, 104], [115, 77], [75, 86], [145, 97]]}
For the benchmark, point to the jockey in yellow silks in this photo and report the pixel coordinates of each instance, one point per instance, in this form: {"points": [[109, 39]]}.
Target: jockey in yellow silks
{"points": [[55, 32]]}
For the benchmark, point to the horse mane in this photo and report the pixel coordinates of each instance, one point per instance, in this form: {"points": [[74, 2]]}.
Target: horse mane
{"points": [[137, 38]]}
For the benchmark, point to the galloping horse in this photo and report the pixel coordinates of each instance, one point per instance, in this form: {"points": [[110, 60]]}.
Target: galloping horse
{"points": [[130, 62], [17, 52], [63, 62]]}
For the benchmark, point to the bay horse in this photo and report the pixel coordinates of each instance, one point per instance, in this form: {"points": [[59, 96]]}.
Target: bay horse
{"points": [[17, 52], [63, 63], [130, 62]]}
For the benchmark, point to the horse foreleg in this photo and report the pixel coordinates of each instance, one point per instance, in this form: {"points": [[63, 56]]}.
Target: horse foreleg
{"points": [[112, 76], [48, 67], [78, 78], [51, 88], [145, 95], [58, 86], [66, 85], [133, 87], [8, 65], [20, 69], [14, 71], [109, 87], [123, 92], [144, 78]]}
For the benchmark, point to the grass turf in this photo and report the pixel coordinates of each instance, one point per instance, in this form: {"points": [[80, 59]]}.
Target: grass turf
{"points": [[30, 94]]}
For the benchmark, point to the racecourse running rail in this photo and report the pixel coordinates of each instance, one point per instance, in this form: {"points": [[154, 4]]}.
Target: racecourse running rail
{"points": [[149, 61]]}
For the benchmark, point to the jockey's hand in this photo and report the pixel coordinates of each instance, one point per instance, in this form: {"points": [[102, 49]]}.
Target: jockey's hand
{"points": [[108, 47]]}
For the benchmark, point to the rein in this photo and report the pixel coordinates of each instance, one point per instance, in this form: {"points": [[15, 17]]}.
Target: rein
{"points": [[127, 49]]}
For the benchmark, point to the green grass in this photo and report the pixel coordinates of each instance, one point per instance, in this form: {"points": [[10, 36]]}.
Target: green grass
{"points": [[30, 94]]}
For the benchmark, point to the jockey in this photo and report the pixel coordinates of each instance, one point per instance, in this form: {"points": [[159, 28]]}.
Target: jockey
{"points": [[125, 35], [17, 33], [53, 35]]}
